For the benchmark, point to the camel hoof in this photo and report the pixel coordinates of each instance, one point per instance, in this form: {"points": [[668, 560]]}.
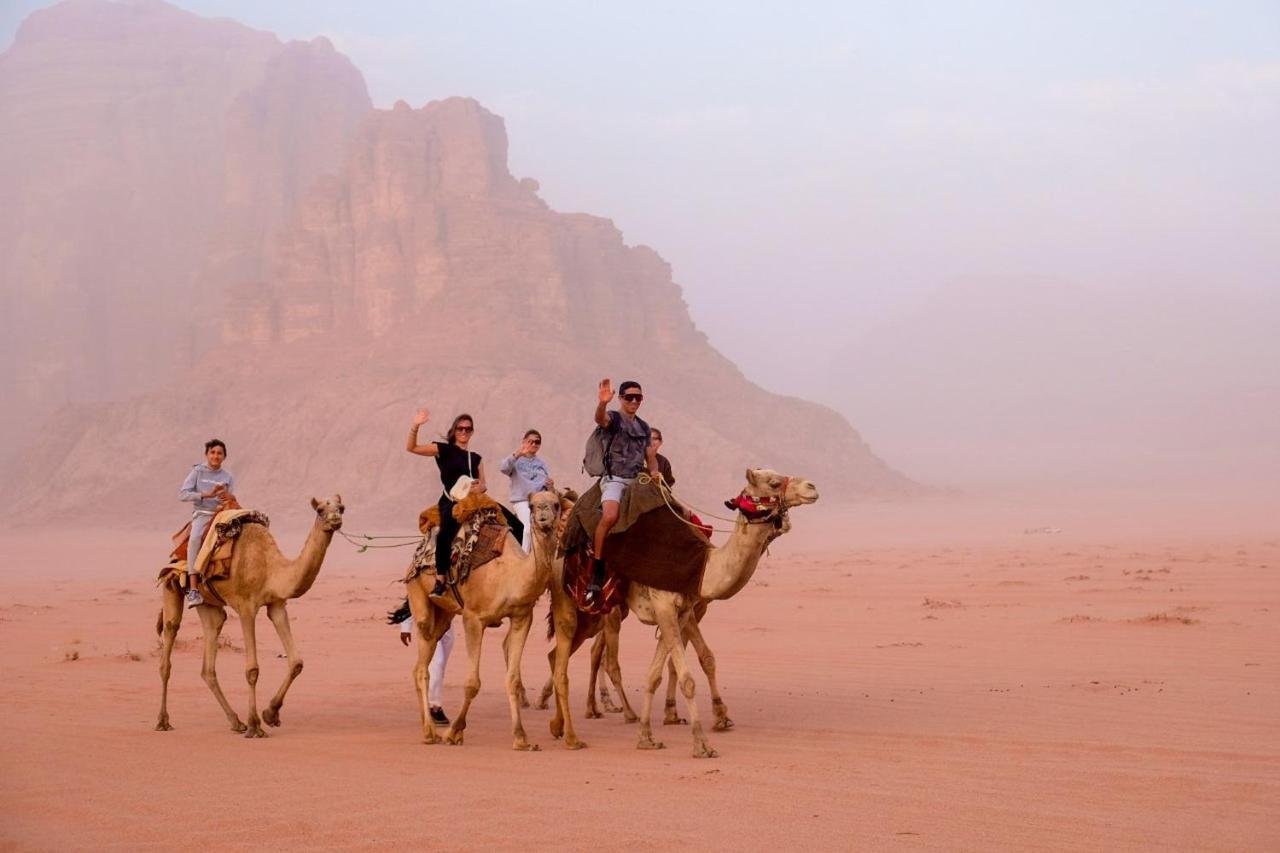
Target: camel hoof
{"points": [[609, 710], [238, 727], [705, 751], [723, 724], [527, 747], [557, 729], [630, 718], [163, 726], [574, 744], [593, 714], [255, 731], [543, 705], [674, 721], [650, 743], [431, 739], [454, 738], [271, 717]]}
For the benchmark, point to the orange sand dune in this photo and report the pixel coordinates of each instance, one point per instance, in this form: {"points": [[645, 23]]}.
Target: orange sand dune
{"points": [[939, 685]]}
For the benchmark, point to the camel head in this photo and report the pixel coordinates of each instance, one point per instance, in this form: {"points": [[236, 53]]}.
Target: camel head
{"points": [[329, 513], [770, 485], [544, 510]]}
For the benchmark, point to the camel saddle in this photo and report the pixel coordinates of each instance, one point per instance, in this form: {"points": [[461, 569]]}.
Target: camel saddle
{"points": [[577, 578], [481, 537], [651, 544], [214, 559]]}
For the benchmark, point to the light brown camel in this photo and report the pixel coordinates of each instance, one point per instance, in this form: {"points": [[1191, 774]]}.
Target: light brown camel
{"points": [[260, 576], [728, 570], [507, 587]]}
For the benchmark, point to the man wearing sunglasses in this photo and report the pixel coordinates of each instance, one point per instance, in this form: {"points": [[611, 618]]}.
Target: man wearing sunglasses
{"points": [[629, 452]]}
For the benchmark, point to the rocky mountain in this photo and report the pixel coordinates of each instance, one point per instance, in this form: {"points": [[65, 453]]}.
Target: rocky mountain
{"points": [[148, 155], [420, 271]]}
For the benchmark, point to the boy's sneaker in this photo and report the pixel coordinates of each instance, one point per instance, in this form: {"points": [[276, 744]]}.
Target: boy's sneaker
{"points": [[438, 716], [194, 598]]}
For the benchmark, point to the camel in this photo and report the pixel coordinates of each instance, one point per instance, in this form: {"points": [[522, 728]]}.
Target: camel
{"points": [[260, 576], [728, 570], [604, 654], [505, 588]]}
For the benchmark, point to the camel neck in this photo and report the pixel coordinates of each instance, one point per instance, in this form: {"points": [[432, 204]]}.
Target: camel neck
{"points": [[731, 566], [302, 571]]}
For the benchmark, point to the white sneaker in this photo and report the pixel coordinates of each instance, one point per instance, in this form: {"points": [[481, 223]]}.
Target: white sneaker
{"points": [[194, 598]]}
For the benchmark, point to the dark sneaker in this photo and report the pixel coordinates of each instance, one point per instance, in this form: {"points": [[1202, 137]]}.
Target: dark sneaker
{"points": [[438, 716], [593, 595], [194, 598]]}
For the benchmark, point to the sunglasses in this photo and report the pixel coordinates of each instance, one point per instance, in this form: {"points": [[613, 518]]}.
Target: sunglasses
{"points": [[633, 398], [535, 441], [465, 429]]}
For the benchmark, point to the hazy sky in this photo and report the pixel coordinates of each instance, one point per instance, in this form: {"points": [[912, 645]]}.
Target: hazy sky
{"points": [[808, 167]]}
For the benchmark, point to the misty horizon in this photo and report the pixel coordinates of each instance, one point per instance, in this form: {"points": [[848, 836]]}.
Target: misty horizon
{"points": [[879, 163]]}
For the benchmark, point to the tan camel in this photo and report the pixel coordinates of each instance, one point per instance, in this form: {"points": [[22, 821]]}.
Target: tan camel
{"points": [[505, 588], [728, 570], [260, 576]]}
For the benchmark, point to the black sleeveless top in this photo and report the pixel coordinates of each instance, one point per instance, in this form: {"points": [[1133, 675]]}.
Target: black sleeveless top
{"points": [[453, 463]]}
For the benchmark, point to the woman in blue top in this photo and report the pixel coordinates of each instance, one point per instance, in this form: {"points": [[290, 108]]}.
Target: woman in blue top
{"points": [[529, 475]]}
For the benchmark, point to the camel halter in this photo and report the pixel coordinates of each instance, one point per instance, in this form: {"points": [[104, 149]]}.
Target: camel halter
{"points": [[761, 510]]}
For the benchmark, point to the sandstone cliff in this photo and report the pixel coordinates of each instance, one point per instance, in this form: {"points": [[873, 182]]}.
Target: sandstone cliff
{"points": [[147, 155], [418, 272]]}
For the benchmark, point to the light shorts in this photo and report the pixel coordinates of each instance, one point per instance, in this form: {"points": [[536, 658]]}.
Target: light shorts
{"points": [[611, 488]]}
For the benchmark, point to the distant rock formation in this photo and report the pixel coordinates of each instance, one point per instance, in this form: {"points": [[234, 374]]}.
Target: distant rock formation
{"points": [[413, 270], [147, 156]]}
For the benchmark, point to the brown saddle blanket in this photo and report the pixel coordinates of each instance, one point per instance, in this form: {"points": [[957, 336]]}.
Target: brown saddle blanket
{"points": [[224, 536], [650, 544]]}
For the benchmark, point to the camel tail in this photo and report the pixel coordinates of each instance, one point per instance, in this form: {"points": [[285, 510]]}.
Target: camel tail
{"points": [[160, 622], [401, 613], [551, 623]]}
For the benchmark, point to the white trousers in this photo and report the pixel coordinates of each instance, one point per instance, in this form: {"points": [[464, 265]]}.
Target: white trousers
{"points": [[521, 509], [435, 669], [199, 525]]}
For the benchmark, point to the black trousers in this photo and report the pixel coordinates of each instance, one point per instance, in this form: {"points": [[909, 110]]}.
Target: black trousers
{"points": [[449, 529]]}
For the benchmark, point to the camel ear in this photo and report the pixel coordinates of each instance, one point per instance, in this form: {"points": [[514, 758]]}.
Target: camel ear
{"points": [[315, 504], [337, 498], [751, 477]]}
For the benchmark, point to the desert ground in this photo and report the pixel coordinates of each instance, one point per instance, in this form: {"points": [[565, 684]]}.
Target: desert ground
{"points": [[937, 676]]}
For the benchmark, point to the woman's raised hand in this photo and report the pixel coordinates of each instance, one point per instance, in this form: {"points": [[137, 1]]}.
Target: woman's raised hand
{"points": [[421, 417]]}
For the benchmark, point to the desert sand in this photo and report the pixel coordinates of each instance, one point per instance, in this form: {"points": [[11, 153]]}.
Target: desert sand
{"points": [[903, 677]]}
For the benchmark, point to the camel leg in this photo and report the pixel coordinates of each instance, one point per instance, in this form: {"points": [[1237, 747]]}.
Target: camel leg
{"points": [[279, 617], [247, 618], [475, 637], [566, 622], [671, 716], [211, 621], [517, 634], [670, 627], [707, 658], [521, 695], [549, 688], [170, 621], [651, 681], [428, 637], [612, 631], [597, 655]]}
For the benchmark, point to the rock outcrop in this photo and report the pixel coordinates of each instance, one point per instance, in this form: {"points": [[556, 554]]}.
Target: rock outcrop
{"points": [[147, 156], [418, 271]]}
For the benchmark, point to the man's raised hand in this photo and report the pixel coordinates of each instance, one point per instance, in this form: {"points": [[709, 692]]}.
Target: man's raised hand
{"points": [[606, 391]]}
